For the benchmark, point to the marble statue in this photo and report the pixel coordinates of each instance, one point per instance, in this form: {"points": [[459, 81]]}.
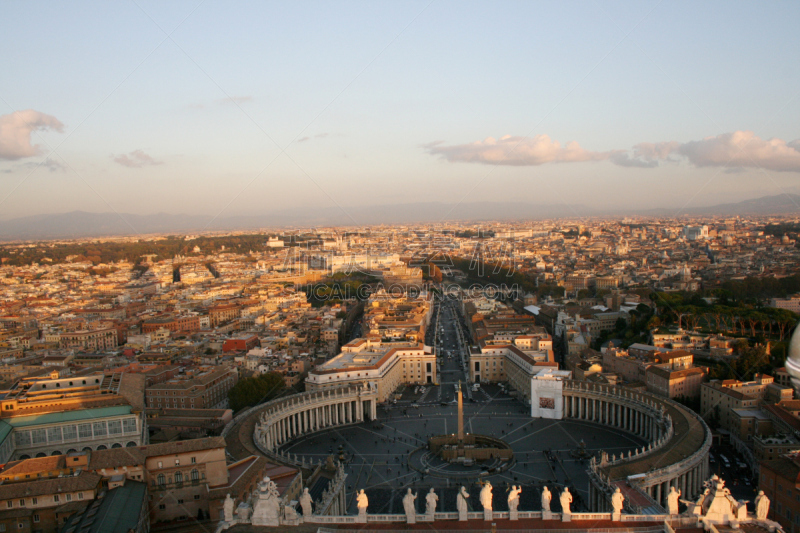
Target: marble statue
{"points": [[513, 497], [266, 511], [461, 503], [362, 502], [672, 500], [546, 497], [762, 505], [513, 501], [306, 503], [486, 501], [617, 501], [486, 496], [227, 508], [409, 507], [430, 502], [566, 500]]}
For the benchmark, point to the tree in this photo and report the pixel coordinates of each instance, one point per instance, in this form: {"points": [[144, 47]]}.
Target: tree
{"points": [[252, 391]]}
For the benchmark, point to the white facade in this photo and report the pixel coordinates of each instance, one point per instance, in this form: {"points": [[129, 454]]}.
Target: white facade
{"points": [[547, 393]]}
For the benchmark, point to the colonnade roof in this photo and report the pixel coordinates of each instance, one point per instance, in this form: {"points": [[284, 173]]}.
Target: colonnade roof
{"points": [[689, 433]]}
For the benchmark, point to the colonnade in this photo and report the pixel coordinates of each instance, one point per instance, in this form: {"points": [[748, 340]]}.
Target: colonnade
{"points": [[650, 418], [314, 411], [626, 416]]}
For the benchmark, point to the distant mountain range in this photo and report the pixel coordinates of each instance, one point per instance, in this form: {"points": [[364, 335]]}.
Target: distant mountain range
{"points": [[82, 224]]}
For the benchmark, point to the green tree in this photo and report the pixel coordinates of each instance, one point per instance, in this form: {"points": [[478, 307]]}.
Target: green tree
{"points": [[252, 391]]}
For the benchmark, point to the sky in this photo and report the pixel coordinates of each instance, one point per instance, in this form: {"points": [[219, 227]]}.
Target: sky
{"points": [[227, 108]]}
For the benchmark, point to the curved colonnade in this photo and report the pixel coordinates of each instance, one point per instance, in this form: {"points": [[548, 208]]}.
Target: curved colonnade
{"points": [[300, 414], [677, 453]]}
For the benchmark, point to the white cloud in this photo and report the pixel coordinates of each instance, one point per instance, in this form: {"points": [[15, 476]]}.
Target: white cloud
{"points": [[16, 129], [733, 151], [136, 159], [516, 151], [743, 149]]}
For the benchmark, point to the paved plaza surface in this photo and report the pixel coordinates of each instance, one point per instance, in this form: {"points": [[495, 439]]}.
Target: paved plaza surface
{"points": [[377, 452]]}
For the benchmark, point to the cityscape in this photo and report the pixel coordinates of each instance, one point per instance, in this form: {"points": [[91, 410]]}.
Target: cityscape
{"points": [[258, 272]]}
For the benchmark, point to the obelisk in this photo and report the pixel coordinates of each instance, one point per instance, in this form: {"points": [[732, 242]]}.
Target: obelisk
{"points": [[460, 416]]}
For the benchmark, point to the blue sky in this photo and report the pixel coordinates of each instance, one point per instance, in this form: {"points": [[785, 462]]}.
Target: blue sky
{"points": [[393, 102]]}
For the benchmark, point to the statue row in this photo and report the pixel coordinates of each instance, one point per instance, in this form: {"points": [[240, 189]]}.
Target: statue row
{"points": [[486, 497]]}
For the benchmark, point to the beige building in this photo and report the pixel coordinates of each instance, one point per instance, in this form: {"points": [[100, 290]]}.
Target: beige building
{"points": [[719, 398], [207, 389], [381, 365], [495, 361], [681, 383], [93, 340]]}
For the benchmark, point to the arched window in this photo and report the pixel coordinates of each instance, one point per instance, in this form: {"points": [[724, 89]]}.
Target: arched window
{"points": [[162, 481], [195, 477], [178, 479]]}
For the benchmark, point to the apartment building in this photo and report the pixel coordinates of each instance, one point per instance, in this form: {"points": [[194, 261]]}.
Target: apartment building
{"points": [[680, 383], [94, 340], [173, 323], [206, 388], [780, 481], [381, 365], [183, 479], [719, 398], [221, 313], [791, 303], [45, 505]]}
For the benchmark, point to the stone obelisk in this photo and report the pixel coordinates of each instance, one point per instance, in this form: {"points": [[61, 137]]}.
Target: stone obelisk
{"points": [[460, 416]]}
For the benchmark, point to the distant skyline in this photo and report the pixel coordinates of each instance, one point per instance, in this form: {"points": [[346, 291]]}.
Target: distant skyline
{"points": [[250, 108]]}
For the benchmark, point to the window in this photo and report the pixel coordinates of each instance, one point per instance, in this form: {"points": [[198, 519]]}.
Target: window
{"points": [[180, 501], [70, 432], [56, 498], [195, 476], [162, 481], [54, 434], [34, 501], [115, 427], [22, 438], [194, 460], [85, 431], [38, 436], [177, 462], [10, 504], [178, 479], [129, 425], [80, 495], [22, 503], [197, 497], [99, 429], [162, 506], [160, 464], [36, 518], [69, 497]]}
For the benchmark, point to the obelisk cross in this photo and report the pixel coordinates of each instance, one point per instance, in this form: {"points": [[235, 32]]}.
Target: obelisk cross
{"points": [[460, 416]]}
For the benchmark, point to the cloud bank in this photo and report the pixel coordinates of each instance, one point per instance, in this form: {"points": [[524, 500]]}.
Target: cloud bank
{"points": [[16, 129], [733, 151], [516, 151], [136, 159]]}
